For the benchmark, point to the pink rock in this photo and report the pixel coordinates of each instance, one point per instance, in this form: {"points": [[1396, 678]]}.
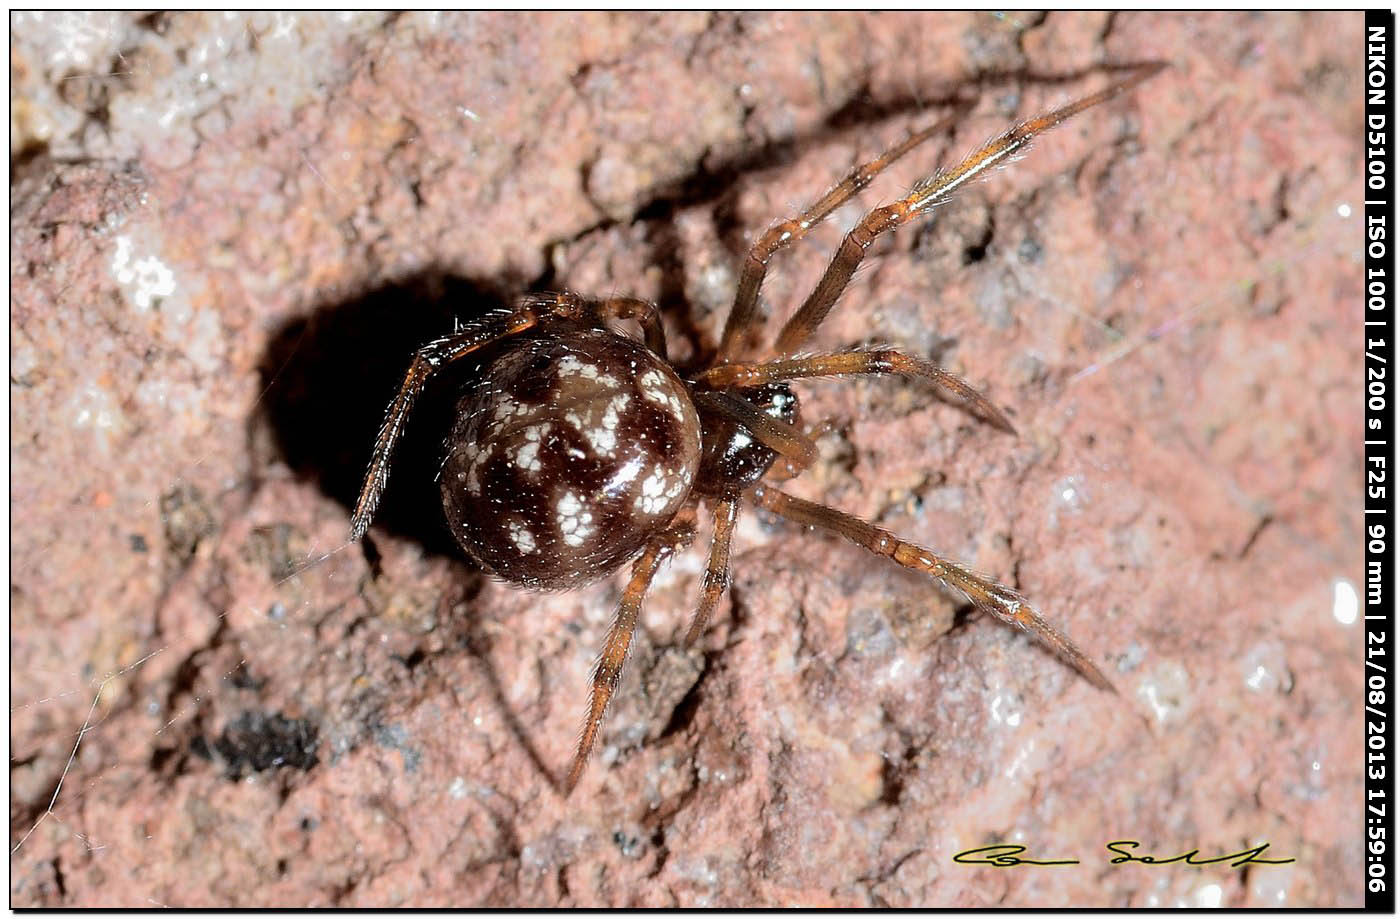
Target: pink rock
{"points": [[214, 275]]}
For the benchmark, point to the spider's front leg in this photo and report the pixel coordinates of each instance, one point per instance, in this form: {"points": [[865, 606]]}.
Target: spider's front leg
{"points": [[880, 360], [608, 671], [925, 196], [987, 595], [744, 313]]}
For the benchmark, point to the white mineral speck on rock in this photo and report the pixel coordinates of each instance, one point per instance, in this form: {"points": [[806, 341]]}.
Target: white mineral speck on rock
{"points": [[145, 278]]}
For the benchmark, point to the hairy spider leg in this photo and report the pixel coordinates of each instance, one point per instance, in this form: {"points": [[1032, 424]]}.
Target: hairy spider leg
{"points": [[608, 671], [846, 363], [925, 195], [743, 314], [987, 595], [797, 450], [716, 578], [472, 336]]}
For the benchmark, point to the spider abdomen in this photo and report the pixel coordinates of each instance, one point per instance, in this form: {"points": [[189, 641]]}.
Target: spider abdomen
{"points": [[578, 446]]}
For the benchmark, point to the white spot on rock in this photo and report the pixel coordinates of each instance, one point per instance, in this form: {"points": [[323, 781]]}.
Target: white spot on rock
{"points": [[148, 279]]}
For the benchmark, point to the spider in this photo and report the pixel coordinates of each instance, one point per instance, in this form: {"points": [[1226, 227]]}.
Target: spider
{"points": [[583, 449]]}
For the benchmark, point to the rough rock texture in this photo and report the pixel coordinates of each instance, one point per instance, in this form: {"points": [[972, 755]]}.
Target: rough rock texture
{"points": [[228, 234]]}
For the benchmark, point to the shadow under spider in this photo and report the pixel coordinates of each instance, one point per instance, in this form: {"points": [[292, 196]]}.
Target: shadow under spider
{"points": [[328, 376]]}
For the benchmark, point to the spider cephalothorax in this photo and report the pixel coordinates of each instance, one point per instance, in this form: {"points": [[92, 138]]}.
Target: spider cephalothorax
{"points": [[581, 449]]}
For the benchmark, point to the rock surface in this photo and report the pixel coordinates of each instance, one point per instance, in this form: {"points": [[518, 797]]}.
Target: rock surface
{"points": [[229, 233]]}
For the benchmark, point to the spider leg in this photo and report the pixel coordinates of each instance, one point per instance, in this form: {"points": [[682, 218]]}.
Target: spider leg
{"points": [[883, 360], [925, 195], [774, 433], [989, 596], [468, 337], [742, 315], [726, 511], [608, 671]]}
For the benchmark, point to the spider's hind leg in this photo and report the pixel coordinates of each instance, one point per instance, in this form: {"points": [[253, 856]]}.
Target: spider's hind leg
{"points": [[989, 596]]}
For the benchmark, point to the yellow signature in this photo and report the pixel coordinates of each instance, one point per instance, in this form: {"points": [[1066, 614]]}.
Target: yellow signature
{"points": [[1010, 856]]}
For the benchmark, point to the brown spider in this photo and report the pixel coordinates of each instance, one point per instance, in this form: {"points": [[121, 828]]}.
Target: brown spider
{"points": [[583, 449]]}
